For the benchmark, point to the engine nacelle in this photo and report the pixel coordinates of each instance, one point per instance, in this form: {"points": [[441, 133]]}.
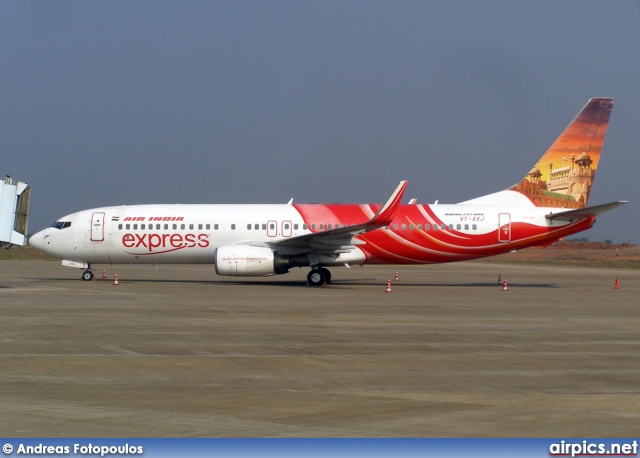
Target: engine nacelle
{"points": [[249, 261]]}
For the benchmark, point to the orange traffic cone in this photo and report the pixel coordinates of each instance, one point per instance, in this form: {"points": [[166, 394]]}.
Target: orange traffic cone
{"points": [[396, 279], [115, 280], [504, 285], [617, 284], [104, 274], [388, 286]]}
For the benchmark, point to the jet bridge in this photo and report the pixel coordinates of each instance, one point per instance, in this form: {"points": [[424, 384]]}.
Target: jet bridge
{"points": [[14, 211]]}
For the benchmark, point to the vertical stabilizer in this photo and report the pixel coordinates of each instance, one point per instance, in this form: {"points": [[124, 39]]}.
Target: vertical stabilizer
{"points": [[564, 174]]}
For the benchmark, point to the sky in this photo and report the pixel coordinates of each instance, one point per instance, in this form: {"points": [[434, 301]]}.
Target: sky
{"points": [[113, 103]]}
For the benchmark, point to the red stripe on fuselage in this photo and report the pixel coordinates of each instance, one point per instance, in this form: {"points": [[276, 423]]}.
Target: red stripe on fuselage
{"points": [[406, 246]]}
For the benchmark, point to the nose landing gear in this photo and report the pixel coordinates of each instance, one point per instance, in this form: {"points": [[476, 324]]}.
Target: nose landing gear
{"points": [[87, 275]]}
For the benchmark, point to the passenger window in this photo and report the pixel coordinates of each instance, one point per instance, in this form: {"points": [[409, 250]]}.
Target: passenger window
{"points": [[191, 226], [175, 226], [427, 227], [208, 226], [321, 226], [142, 226], [182, 226], [200, 227], [249, 226], [128, 226], [264, 226], [215, 226], [404, 227], [411, 227], [256, 227], [305, 227], [295, 227], [466, 227], [119, 226], [313, 226], [272, 226], [135, 226], [443, 227], [419, 227], [386, 228], [395, 227], [435, 227], [233, 227], [458, 227], [474, 227], [166, 227]]}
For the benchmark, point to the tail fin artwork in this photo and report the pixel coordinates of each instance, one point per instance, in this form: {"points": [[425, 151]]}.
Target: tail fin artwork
{"points": [[564, 174]]}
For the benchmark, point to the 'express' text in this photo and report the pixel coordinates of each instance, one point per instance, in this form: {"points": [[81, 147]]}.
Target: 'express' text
{"points": [[160, 242]]}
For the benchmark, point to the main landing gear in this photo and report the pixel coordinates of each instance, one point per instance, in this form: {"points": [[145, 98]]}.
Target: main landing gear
{"points": [[319, 276]]}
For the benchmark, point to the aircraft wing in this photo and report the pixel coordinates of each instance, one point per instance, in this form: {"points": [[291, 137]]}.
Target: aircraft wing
{"points": [[571, 215], [341, 240]]}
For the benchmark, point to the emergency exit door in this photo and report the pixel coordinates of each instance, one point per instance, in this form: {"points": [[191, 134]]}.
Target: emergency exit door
{"points": [[504, 227]]}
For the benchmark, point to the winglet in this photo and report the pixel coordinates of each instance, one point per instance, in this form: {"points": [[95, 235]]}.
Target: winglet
{"points": [[388, 211]]}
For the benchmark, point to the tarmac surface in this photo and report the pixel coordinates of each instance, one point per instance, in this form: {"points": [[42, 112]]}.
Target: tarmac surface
{"points": [[181, 352]]}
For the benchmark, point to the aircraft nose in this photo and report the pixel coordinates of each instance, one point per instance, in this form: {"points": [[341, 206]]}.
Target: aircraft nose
{"points": [[37, 240]]}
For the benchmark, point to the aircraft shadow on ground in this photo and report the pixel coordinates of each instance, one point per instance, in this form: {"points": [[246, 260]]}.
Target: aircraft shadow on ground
{"points": [[374, 282]]}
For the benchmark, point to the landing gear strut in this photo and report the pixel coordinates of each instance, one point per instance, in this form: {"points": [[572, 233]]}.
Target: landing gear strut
{"points": [[319, 276]]}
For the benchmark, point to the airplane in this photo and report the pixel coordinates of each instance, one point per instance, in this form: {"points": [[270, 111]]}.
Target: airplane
{"points": [[548, 203]]}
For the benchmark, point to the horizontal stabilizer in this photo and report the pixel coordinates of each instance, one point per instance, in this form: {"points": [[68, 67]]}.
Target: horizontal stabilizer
{"points": [[571, 215]]}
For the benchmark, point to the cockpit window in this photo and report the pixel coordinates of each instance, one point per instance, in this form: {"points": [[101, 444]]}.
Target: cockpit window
{"points": [[61, 224]]}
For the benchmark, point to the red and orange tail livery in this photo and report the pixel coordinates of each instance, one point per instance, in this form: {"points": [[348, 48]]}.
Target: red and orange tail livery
{"points": [[564, 174]]}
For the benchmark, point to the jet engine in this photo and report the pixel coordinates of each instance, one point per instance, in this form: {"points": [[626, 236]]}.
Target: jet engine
{"points": [[249, 261]]}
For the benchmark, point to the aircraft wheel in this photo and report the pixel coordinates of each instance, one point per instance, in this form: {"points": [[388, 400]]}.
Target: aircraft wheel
{"points": [[316, 277], [327, 275], [87, 275]]}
